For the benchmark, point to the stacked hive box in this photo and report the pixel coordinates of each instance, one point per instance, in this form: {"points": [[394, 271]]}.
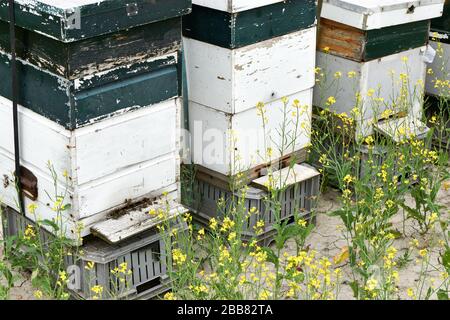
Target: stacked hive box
{"points": [[383, 44], [240, 52], [438, 77], [98, 94]]}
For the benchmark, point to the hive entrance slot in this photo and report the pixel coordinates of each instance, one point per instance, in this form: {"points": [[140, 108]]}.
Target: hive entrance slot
{"points": [[148, 285]]}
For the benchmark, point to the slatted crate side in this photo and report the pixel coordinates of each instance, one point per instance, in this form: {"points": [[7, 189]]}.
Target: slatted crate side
{"points": [[147, 265], [15, 224], [371, 15], [296, 199], [234, 81], [376, 75], [145, 256]]}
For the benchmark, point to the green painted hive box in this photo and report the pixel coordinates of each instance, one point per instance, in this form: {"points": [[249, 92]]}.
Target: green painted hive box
{"points": [[73, 20], [72, 60], [368, 30], [84, 100], [238, 26], [80, 61], [366, 45], [442, 24]]}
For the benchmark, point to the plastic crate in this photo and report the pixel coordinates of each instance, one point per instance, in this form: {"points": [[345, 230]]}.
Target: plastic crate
{"points": [[298, 198], [144, 254]]}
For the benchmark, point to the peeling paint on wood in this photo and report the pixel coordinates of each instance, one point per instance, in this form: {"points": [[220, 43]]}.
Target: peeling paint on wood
{"points": [[74, 103], [381, 75], [235, 30], [73, 20], [87, 56], [214, 132], [359, 45], [112, 163], [235, 80]]}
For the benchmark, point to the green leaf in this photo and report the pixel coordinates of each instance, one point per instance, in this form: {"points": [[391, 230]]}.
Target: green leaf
{"points": [[50, 223], [271, 256], [66, 207], [355, 288], [446, 259], [442, 295]]}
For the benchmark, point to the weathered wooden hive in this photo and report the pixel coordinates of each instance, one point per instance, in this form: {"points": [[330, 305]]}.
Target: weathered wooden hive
{"points": [[382, 44], [99, 98], [438, 77], [239, 53]]}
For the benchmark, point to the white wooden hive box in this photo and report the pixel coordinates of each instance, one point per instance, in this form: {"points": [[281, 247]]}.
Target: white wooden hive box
{"points": [[376, 14], [231, 143], [381, 76], [117, 160], [235, 80]]}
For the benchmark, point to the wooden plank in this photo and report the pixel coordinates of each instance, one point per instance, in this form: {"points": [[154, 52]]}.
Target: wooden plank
{"points": [[93, 55], [74, 103], [135, 221], [341, 39], [287, 177], [235, 80], [377, 14], [352, 43], [213, 132], [223, 182], [390, 40], [74, 20], [235, 30]]}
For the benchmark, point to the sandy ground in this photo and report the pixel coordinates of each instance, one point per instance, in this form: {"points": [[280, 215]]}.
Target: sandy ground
{"points": [[327, 239]]}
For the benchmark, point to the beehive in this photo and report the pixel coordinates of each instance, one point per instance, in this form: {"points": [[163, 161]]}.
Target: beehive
{"points": [[99, 91], [72, 20], [439, 75], [380, 42], [230, 143], [239, 53]]}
